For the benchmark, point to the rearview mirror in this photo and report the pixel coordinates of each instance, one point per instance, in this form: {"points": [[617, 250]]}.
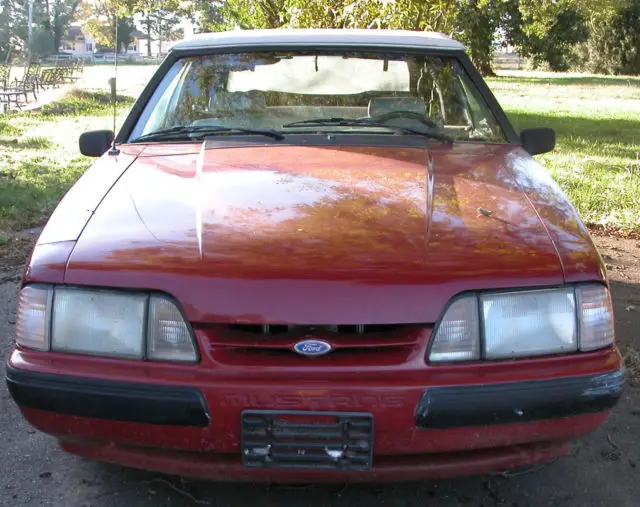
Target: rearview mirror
{"points": [[538, 140], [96, 142]]}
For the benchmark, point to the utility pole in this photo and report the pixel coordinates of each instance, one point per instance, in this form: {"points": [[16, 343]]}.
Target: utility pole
{"points": [[30, 26]]}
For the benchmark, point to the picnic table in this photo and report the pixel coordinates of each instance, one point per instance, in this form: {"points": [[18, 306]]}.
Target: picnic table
{"points": [[35, 78]]}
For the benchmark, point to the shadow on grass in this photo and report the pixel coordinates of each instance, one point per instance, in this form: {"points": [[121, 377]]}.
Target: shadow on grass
{"points": [[84, 103], [29, 143], [611, 137], [569, 80], [596, 162]]}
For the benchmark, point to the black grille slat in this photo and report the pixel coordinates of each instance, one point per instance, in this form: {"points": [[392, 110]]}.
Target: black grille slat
{"points": [[339, 329], [270, 442]]}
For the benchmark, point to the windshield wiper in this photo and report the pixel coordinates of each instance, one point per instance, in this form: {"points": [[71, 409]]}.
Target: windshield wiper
{"points": [[358, 122], [199, 131]]}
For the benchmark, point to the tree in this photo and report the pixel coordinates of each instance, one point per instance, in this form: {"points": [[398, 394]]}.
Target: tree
{"points": [[614, 44], [625, 46], [50, 20], [208, 14], [545, 31], [103, 31], [163, 24], [407, 14], [101, 26], [161, 19], [58, 16], [477, 22], [7, 22]]}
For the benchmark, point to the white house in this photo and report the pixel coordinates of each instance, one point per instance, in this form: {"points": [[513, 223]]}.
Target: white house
{"points": [[76, 42]]}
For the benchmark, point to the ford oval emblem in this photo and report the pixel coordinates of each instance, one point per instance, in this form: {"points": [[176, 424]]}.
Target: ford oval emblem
{"points": [[312, 347]]}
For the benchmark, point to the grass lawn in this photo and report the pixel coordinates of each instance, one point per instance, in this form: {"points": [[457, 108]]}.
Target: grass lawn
{"points": [[597, 120], [39, 156]]}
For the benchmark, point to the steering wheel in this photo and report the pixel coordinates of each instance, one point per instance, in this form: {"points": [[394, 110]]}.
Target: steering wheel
{"points": [[392, 115]]}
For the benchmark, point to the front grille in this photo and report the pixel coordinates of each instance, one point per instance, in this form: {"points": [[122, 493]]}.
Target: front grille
{"points": [[245, 344], [325, 440], [342, 329], [282, 338]]}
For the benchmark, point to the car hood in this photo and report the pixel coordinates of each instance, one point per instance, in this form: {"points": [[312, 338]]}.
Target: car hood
{"points": [[317, 234]]}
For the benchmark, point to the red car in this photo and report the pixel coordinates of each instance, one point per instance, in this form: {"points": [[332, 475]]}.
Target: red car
{"points": [[316, 256]]}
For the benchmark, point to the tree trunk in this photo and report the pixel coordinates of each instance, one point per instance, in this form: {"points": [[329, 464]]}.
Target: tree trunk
{"points": [[485, 69], [57, 34], [148, 23], [46, 23]]}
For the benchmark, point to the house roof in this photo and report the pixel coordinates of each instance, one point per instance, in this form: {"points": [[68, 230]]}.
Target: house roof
{"points": [[138, 35], [73, 33], [318, 38]]}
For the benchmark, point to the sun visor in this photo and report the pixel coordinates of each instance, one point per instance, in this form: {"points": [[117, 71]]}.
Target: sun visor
{"points": [[323, 75]]}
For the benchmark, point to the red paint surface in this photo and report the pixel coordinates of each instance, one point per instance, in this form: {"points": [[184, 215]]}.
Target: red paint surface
{"points": [[316, 235], [385, 469], [368, 234]]}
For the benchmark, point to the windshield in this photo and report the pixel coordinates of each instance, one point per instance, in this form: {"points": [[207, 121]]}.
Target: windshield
{"points": [[298, 91]]}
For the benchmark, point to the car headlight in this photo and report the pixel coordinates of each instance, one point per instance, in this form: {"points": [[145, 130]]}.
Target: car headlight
{"points": [[515, 324], [103, 323]]}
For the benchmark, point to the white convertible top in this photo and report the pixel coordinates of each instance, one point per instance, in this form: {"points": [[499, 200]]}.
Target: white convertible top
{"points": [[319, 38]]}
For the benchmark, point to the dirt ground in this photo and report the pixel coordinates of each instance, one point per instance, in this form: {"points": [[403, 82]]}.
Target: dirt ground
{"points": [[601, 470]]}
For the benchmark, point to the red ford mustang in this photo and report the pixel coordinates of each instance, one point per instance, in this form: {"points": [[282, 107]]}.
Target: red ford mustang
{"points": [[316, 256]]}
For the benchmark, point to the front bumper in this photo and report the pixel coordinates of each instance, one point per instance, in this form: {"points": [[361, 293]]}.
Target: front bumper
{"points": [[193, 426], [438, 407], [108, 400], [489, 404]]}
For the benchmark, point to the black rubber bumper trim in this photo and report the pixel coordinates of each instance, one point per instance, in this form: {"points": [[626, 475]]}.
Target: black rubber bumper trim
{"points": [[488, 404], [102, 399]]}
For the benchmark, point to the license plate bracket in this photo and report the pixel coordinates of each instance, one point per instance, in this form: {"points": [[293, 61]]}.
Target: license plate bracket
{"points": [[307, 440]]}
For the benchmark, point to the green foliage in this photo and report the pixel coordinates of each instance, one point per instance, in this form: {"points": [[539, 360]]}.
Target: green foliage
{"points": [[477, 22], [545, 31], [57, 17], [614, 45], [50, 20], [6, 23], [6, 129], [163, 24], [42, 43], [102, 29], [400, 14]]}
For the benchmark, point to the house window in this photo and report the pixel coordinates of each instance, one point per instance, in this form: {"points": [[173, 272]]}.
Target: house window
{"points": [[89, 47]]}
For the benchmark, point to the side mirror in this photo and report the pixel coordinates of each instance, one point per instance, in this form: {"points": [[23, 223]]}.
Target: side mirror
{"points": [[96, 142], [538, 140]]}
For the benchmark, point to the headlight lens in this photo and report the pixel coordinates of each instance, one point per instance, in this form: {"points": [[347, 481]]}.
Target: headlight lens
{"points": [[103, 323], [100, 323], [529, 323], [525, 324], [458, 333], [169, 337], [595, 315], [32, 329]]}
